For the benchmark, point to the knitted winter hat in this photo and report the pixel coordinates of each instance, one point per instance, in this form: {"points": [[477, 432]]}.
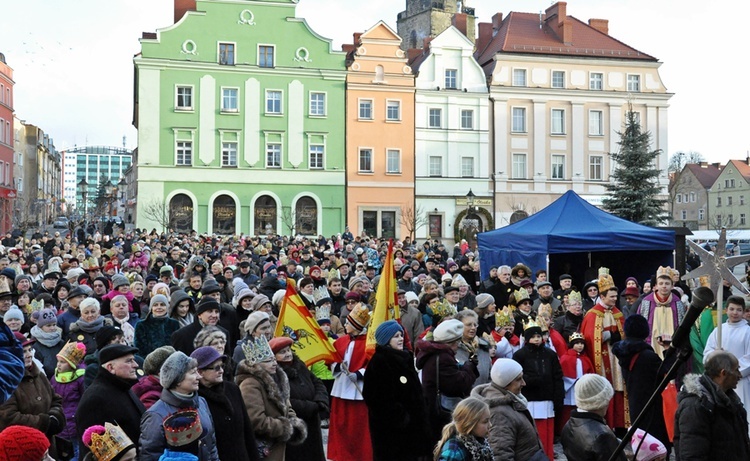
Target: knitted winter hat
{"points": [[22, 443], [484, 300], [593, 392], [207, 304], [386, 331], [46, 317], [174, 369], [258, 301], [154, 360], [254, 319], [160, 299], [105, 334], [504, 371], [448, 331], [119, 280], [636, 327], [13, 313]]}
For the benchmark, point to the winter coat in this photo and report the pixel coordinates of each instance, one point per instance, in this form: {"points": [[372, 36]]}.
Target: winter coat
{"points": [[69, 386], [586, 437], [176, 298], [153, 332], [11, 362], [270, 411], [153, 441], [641, 378], [482, 349], [309, 398], [32, 403], [148, 390], [513, 435], [109, 399], [48, 356], [455, 380], [567, 324], [88, 339], [542, 373], [182, 339], [67, 318], [709, 424], [399, 429], [235, 439]]}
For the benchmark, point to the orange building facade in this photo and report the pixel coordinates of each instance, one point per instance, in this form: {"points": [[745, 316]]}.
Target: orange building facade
{"points": [[379, 135]]}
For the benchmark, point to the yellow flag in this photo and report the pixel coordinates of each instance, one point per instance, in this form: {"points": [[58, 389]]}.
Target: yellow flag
{"points": [[386, 300], [296, 322]]}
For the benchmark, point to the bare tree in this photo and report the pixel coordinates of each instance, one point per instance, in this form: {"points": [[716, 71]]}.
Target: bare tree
{"points": [[25, 217], [678, 160], [520, 210], [289, 219], [717, 221], [413, 219], [158, 211]]}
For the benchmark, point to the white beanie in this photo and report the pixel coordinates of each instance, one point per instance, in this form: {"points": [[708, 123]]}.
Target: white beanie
{"points": [[411, 296], [448, 331], [504, 371], [593, 392]]}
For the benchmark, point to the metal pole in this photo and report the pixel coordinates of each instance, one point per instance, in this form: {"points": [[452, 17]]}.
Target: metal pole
{"points": [[719, 312]]}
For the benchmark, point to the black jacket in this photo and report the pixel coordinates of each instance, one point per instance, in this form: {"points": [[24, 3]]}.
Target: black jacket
{"points": [[709, 424], [586, 437], [567, 324], [542, 373], [399, 428], [309, 398], [109, 399], [182, 339], [235, 439]]}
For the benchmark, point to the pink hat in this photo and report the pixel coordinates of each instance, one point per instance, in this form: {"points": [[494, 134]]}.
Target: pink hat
{"points": [[650, 449]]}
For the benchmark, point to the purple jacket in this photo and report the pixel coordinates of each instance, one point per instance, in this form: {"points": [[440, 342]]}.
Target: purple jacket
{"points": [[71, 392], [148, 390]]}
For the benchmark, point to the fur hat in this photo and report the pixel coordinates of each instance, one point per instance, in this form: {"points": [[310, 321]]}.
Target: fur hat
{"points": [[504, 371], [254, 319], [484, 300], [157, 357], [207, 335], [636, 327], [22, 443], [386, 331], [593, 392], [448, 331], [174, 369]]}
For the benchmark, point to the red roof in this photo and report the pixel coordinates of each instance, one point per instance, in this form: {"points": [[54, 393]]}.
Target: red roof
{"points": [[743, 168], [520, 33], [705, 174]]}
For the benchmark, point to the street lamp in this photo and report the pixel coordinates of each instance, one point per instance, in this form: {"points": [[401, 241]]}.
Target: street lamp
{"points": [[470, 200], [84, 195]]}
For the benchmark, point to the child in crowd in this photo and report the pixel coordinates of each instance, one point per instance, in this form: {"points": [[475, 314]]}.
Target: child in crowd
{"points": [[68, 384], [465, 438], [574, 364]]}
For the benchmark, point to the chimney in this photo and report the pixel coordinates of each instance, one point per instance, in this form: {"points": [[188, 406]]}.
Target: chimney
{"points": [[181, 7], [716, 165], [485, 36], [459, 21], [357, 38], [497, 19], [602, 25], [557, 16], [426, 43], [703, 164]]}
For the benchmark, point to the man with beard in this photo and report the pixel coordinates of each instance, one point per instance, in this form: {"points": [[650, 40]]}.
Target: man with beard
{"points": [[504, 288], [569, 323]]}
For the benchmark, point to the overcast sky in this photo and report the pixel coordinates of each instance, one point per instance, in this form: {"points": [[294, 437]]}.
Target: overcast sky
{"points": [[74, 72]]}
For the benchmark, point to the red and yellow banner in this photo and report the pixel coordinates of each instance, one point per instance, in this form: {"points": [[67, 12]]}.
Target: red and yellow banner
{"points": [[386, 300], [297, 322]]}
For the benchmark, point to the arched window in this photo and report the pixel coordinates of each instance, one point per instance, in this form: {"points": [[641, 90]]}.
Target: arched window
{"points": [[265, 215], [306, 216], [225, 215], [181, 213]]}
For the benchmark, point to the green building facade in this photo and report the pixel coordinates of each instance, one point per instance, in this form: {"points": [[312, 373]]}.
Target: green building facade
{"points": [[240, 116]]}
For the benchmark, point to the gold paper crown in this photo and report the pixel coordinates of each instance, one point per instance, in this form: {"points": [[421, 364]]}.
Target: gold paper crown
{"points": [[520, 295], [359, 317], [605, 280], [183, 427], [4, 287], [574, 297], [490, 340], [73, 353], [443, 309], [545, 310], [111, 443], [323, 312], [257, 350], [90, 264], [504, 317], [575, 336], [664, 271], [531, 323], [37, 305]]}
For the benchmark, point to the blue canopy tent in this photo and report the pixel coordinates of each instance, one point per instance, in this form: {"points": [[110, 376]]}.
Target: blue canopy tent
{"points": [[577, 238]]}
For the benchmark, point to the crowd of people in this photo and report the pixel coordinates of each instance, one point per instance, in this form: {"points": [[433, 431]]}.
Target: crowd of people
{"points": [[140, 345]]}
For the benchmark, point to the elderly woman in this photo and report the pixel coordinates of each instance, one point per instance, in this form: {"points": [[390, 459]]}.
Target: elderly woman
{"points": [[85, 328], [309, 398], [121, 317], [156, 329], [569, 323], [485, 310], [34, 402], [395, 400], [472, 345], [513, 435], [179, 379], [265, 392], [442, 375], [214, 337], [257, 324]]}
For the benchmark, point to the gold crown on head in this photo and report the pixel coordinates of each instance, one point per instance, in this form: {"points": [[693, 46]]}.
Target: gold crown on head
{"points": [[520, 295], [73, 353], [545, 310], [574, 297], [504, 317], [664, 271], [359, 317], [443, 309], [257, 350], [575, 336], [107, 446], [531, 323], [605, 280]]}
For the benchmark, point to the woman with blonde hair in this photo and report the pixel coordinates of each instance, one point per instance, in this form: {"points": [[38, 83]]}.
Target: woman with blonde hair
{"points": [[465, 438]]}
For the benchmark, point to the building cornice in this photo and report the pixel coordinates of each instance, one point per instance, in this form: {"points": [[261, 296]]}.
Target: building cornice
{"points": [[246, 70]]}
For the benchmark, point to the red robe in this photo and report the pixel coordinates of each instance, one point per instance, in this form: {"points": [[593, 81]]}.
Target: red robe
{"points": [[569, 361], [559, 342]]}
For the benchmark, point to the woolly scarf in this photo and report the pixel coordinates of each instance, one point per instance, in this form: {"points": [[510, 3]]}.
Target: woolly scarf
{"points": [[479, 448], [47, 339], [91, 327], [520, 399], [127, 329]]}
